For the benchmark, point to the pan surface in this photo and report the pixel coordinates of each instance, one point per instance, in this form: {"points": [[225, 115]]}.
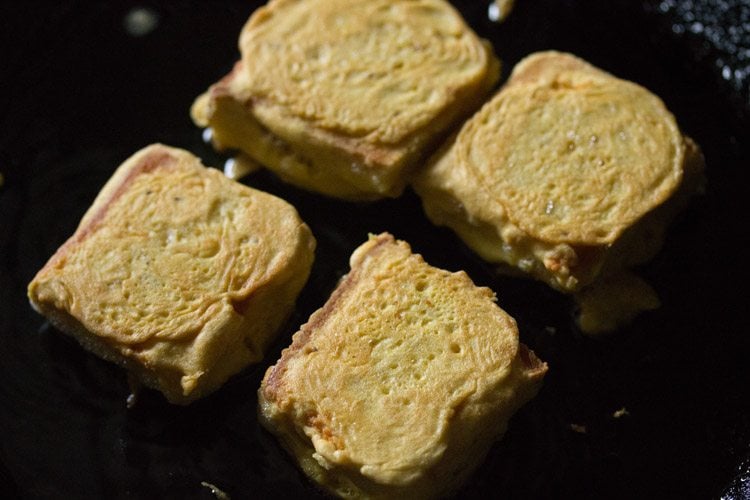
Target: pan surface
{"points": [[657, 410]]}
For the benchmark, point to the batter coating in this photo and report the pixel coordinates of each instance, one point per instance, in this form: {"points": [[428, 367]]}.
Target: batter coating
{"points": [[345, 97], [177, 273], [398, 386], [568, 173]]}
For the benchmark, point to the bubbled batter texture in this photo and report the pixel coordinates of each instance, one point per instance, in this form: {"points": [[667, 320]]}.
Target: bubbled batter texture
{"points": [[165, 248], [372, 74], [577, 156], [401, 342]]}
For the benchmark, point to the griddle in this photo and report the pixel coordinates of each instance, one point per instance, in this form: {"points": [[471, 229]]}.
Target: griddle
{"points": [[657, 410]]}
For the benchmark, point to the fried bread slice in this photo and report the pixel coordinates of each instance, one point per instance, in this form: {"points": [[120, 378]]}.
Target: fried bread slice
{"points": [[177, 273], [345, 97], [398, 386], [567, 174]]}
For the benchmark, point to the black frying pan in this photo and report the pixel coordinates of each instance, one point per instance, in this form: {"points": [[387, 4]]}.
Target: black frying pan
{"points": [[79, 93]]}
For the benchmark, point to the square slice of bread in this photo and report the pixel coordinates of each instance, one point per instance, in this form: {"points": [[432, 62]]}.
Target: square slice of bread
{"points": [[568, 174], [398, 386], [346, 97], [177, 273]]}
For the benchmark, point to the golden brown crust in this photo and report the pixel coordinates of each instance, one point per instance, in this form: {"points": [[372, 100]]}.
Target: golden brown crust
{"points": [[402, 342], [563, 174], [362, 68], [344, 97], [575, 157], [177, 273]]}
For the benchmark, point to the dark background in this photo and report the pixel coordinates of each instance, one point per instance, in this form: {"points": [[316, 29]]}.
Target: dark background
{"points": [[79, 94]]}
